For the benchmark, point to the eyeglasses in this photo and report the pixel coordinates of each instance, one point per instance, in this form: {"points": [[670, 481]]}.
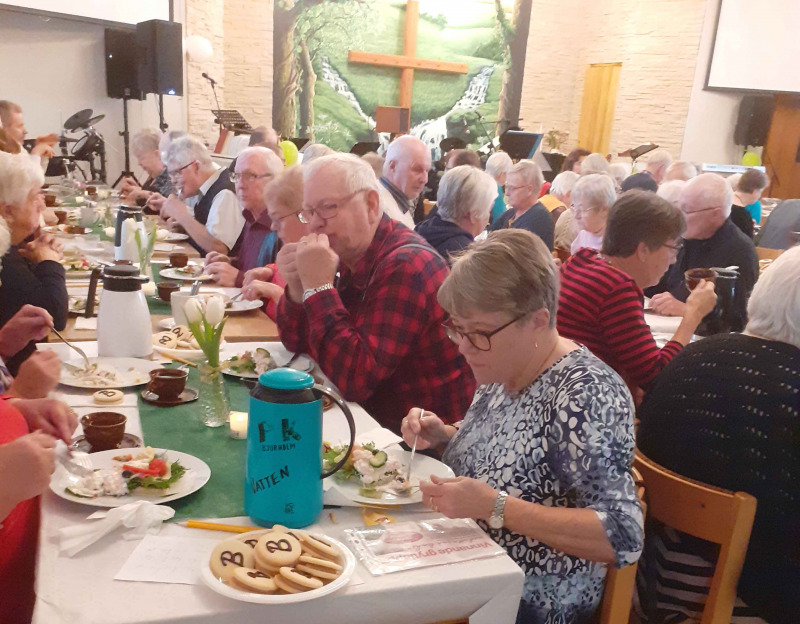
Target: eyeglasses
{"points": [[478, 339], [510, 187], [329, 210], [676, 247], [298, 214], [178, 172], [246, 176]]}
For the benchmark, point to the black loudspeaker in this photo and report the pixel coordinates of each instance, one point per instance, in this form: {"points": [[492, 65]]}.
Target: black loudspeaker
{"points": [[122, 64], [161, 57], [755, 117]]}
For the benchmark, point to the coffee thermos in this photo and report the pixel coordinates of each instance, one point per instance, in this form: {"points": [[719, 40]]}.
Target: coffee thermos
{"points": [[123, 318]]}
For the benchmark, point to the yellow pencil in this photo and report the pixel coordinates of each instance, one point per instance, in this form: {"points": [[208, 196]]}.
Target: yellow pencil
{"points": [[214, 526]]}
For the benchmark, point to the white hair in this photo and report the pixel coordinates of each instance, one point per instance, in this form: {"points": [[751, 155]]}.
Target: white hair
{"points": [[314, 151], [270, 159], [774, 306], [144, 141], [465, 191], [563, 183], [619, 171], [357, 173], [166, 140], [708, 190], [529, 172], [659, 158], [681, 170], [19, 175], [498, 163], [185, 150], [671, 191], [733, 180], [595, 190], [401, 146], [595, 163]]}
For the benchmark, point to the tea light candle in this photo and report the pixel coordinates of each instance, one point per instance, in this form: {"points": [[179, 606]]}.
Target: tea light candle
{"points": [[238, 424], [149, 288]]}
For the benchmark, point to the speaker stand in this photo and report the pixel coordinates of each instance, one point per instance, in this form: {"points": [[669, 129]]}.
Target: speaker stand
{"points": [[126, 138]]}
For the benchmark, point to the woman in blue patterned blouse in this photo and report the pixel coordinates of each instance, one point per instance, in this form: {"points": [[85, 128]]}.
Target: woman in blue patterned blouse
{"points": [[543, 455]]}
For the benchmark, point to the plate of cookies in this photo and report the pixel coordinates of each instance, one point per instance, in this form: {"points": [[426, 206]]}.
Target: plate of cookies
{"points": [[278, 566], [178, 342]]}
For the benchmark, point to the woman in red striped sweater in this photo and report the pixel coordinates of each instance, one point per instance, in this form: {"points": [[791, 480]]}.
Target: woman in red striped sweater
{"points": [[601, 300]]}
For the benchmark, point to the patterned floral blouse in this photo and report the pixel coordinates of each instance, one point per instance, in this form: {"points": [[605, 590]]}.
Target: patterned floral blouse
{"points": [[566, 440]]}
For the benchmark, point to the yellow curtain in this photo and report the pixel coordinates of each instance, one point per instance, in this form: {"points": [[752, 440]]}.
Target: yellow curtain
{"points": [[597, 109]]}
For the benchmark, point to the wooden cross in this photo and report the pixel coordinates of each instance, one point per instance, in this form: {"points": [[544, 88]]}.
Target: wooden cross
{"points": [[408, 61]]}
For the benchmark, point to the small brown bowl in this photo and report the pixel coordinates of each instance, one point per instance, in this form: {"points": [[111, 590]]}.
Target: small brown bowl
{"points": [[50, 200], [165, 290], [178, 259], [167, 383], [75, 229], [61, 215], [91, 190], [693, 277], [104, 430]]}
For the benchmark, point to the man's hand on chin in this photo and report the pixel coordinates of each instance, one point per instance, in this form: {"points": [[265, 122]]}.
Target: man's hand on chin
{"points": [[316, 261]]}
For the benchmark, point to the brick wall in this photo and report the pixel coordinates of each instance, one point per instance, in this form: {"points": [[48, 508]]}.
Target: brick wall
{"points": [[657, 44], [241, 33]]}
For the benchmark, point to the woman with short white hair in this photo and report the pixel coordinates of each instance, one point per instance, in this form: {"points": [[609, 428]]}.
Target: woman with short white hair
{"points": [[145, 148], [464, 203], [595, 163], [31, 272], [592, 197], [725, 412], [559, 197], [498, 166]]}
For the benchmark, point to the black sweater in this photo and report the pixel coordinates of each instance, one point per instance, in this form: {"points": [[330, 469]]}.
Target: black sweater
{"points": [[42, 285]]}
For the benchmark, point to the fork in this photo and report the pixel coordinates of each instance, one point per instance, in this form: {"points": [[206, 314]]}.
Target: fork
{"points": [[414, 448], [73, 347], [80, 466]]}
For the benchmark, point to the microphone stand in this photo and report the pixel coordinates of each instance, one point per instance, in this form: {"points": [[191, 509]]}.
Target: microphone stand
{"points": [[216, 99], [492, 148]]}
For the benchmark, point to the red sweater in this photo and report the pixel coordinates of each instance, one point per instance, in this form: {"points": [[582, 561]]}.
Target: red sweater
{"points": [[18, 537], [601, 307]]}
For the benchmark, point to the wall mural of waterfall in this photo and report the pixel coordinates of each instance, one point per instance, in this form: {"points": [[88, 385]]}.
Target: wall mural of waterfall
{"points": [[317, 93]]}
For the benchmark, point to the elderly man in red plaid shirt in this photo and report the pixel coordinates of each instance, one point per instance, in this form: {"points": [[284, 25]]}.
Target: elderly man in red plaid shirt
{"points": [[376, 333]]}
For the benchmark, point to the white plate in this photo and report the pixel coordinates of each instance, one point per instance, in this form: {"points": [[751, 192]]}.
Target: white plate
{"points": [[74, 300], [197, 475], [174, 237], [242, 305], [167, 323], [302, 363], [423, 468], [349, 565], [186, 354], [130, 378], [173, 274]]}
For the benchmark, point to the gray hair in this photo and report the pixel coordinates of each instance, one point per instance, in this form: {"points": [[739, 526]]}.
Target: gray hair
{"points": [[185, 150], [659, 158], [144, 141], [498, 163], [563, 183], [529, 172], [465, 191], [512, 271], [166, 141], [709, 190], [357, 173], [619, 171], [681, 170], [19, 175], [774, 307], [671, 191], [595, 190], [595, 163], [314, 151], [273, 163], [401, 146]]}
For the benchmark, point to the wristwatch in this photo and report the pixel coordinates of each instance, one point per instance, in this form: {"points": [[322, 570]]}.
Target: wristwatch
{"points": [[313, 291], [496, 519]]}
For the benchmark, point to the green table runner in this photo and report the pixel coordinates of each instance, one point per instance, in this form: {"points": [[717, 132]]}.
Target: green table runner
{"points": [[181, 429]]}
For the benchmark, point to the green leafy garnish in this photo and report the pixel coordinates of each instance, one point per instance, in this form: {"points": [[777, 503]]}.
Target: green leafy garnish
{"points": [[157, 483]]}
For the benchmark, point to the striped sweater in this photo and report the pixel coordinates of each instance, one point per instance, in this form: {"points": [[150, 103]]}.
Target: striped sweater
{"points": [[601, 307]]}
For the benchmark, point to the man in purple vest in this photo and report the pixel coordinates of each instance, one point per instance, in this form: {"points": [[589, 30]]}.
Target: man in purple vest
{"points": [[206, 207]]}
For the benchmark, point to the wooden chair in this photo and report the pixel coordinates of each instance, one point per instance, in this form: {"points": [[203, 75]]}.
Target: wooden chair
{"points": [[621, 582], [765, 253], [708, 513]]}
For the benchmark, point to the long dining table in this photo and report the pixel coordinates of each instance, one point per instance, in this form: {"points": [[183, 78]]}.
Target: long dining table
{"points": [[82, 590]]}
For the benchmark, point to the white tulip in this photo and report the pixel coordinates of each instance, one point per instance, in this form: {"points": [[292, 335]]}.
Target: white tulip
{"points": [[193, 311], [215, 310]]}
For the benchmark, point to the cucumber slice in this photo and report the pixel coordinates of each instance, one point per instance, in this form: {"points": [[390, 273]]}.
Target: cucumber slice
{"points": [[378, 459]]}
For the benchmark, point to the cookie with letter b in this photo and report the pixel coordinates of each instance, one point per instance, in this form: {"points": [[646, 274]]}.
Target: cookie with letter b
{"points": [[293, 582], [253, 580], [278, 549], [230, 555]]}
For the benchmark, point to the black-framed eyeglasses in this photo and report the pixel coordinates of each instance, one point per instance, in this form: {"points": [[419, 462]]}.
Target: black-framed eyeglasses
{"points": [[482, 341], [676, 247], [246, 176], [297, 214], [329, 209], [179, 171]]}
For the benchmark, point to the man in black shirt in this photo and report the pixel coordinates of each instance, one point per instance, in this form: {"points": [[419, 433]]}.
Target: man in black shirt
{"points": [[710, 240]]}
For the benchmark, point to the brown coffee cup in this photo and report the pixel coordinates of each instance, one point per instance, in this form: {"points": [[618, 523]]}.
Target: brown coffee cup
{"points": [[61, 215], [50, 200], [178, 259], [91, 190], [104, 430], [165, 290], [167, 383], [692, 277]]}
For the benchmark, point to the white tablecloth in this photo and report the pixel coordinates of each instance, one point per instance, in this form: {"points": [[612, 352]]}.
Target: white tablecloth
{"points": [[81, 590]]}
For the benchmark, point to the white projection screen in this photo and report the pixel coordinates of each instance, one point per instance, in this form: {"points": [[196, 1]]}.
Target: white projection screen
{"points": [[117, 11], [757, 46]]}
